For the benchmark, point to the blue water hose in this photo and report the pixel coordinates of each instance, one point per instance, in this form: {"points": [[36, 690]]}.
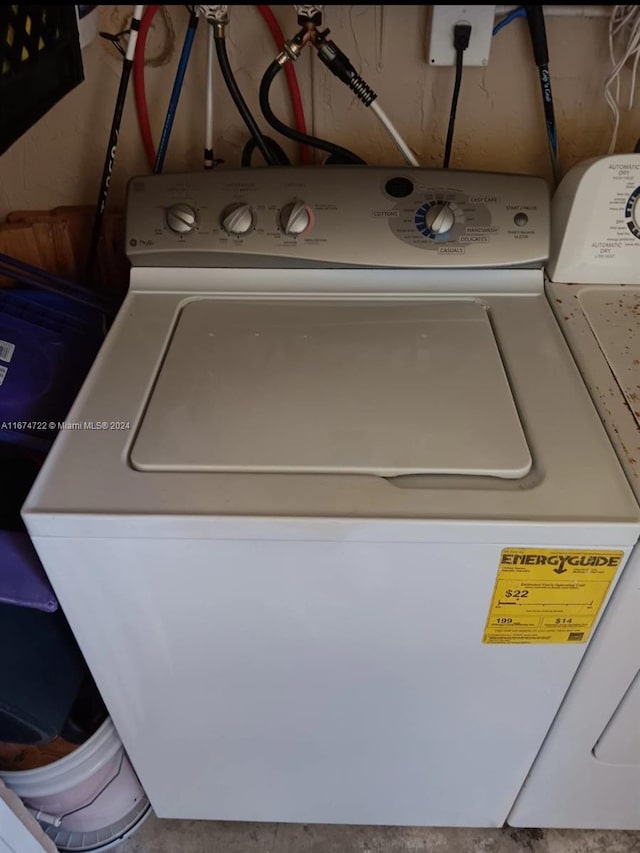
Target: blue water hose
{"points": [[520, 12], [175, 93]]}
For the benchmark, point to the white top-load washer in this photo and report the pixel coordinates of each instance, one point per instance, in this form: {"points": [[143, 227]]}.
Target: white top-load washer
{"points": [[320, 518], [588, 773]]}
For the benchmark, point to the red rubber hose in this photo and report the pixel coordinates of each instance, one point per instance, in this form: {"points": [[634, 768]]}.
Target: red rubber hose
{"points": [[292, 80], [138, 84], [140, 92]]}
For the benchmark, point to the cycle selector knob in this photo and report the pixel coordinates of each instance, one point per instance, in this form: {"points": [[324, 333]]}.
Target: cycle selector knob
{"points": [[180, 218], [238, 219], [440, 219], [295, 218]]}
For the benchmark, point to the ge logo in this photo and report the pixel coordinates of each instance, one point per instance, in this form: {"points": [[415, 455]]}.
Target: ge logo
{"points": [[133, 242]]}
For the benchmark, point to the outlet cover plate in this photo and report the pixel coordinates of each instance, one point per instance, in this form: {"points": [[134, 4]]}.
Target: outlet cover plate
{"points": [[440, 48]]}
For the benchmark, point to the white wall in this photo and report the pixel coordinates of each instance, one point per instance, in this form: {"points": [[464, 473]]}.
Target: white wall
{"points": [[499, 127]]}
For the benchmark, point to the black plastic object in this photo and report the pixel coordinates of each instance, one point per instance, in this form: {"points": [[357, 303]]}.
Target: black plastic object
{"points": [[339, 64], [41, 671], [535, 19], [19, 470], [87, 714], [40, 61], [398, 187]]}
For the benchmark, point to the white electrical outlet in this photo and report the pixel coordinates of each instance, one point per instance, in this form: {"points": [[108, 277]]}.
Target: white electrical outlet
{"points": [[443, 20]]}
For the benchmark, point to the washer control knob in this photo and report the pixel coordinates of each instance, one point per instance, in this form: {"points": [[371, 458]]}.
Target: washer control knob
{"points": [[440, 219], [180, 218], [295, 218], [238, 219]]}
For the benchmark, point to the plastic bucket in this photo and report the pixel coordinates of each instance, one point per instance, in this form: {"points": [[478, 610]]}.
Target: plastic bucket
{"points": [[89, 800]]}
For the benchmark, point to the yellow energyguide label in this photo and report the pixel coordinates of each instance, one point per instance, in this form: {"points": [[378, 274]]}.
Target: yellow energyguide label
{"points": [[549, 595]]}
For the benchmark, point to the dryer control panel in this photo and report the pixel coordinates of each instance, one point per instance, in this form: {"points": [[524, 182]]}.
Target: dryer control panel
{"points": [[338, 216], [596, 223]]}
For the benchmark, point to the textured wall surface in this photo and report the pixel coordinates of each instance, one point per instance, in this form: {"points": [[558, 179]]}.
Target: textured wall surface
{"points": [[499, 126]]}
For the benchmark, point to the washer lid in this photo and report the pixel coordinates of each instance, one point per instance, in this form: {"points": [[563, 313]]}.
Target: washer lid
{"points": [[614, 317], [336, 388]]}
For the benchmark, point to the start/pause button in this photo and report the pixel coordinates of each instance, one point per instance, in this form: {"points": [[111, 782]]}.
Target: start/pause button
{"points": [[521, 219]]}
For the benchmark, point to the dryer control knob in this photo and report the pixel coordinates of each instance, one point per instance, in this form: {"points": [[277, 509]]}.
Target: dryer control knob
{"points": [[295, 218], [440, 219], [181, 218], [238, 219]]}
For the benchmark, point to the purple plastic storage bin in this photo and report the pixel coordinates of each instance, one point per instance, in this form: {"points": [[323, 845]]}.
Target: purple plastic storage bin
{"points": [[47, 345], [22, 578]]}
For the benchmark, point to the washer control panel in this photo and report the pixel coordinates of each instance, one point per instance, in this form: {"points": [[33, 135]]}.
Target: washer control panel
{"points": [[338, 216], [596, 223]]}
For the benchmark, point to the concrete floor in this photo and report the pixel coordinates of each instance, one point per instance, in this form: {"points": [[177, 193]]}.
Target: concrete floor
{"points": [[188, 836]]}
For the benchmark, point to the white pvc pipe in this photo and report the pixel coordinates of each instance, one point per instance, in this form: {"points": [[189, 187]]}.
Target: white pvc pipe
{"points": [[133, 33], [208, 129], [407, 153]]}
